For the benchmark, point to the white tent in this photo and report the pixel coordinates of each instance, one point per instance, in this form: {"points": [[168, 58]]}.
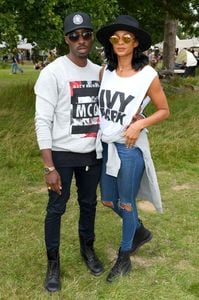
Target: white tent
{"points": [[188, 43], [3, 45], [180, 44], [25, 46]]}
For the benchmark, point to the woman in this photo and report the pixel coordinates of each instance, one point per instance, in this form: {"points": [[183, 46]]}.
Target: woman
{"points": [[126, 82]]}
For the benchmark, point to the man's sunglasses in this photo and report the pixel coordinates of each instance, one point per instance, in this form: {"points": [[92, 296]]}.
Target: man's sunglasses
{"points": [[126, 38], [75, 36]]}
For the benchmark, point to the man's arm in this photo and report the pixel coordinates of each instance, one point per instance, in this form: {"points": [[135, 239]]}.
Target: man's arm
{"points": [[46, 93], [52, 177]]}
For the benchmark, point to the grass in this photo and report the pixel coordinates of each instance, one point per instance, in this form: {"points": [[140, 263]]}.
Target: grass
{"points": [[165, 268]]}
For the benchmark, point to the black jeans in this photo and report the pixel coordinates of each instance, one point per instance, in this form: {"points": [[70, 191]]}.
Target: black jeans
{"points": [[87, 179]]}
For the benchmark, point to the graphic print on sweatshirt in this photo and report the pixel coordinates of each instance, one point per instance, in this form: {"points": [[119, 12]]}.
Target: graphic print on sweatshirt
{"points": [[84, 108]]}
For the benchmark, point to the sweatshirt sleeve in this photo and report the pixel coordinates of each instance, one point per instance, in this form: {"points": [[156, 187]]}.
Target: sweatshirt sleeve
{"points": [[46, 91]]}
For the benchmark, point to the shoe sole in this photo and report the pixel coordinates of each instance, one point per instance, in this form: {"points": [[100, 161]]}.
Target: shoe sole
{"points": [[96, 274], [93, 273], [52, 290], [123, 274], [149, 238]]}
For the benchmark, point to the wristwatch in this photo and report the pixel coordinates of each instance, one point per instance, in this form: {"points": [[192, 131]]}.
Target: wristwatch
{"points": [[47, 170]]}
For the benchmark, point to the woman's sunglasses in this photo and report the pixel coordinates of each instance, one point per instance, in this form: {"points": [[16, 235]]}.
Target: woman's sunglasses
{"points": [[74, 36], [126, 38]]}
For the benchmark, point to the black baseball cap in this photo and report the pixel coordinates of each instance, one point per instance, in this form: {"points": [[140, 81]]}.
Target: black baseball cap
{"points": [[76, 21]]}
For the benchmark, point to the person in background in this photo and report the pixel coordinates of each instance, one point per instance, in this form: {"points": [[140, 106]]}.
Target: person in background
{"points": [[15, 65], [127, 81], [67, 122], [191, 64], [51, 56]]}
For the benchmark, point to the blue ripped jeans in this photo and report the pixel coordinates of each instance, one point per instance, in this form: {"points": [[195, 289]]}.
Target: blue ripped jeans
{"points": [[120, 192]]}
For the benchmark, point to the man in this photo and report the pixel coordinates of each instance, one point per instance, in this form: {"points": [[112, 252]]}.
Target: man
{"points": [[15, 65], [67, 121]]}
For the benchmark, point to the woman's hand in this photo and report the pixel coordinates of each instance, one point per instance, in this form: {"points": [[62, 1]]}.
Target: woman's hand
{"points": [[132, 133]]}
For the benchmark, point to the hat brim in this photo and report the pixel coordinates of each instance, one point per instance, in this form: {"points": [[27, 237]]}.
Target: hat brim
{"points": [[142, 36], [78, 27]]}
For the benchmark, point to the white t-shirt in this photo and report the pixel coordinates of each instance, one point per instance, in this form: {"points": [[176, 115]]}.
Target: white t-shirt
{"points": [[120, 99]]}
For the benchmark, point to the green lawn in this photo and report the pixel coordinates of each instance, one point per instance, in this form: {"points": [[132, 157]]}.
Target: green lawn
{"points": [[9, 79], [165, 268]]}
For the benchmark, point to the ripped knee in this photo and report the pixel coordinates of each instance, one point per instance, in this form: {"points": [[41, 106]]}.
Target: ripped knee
{"points": [[107, 203], [126, 206]]}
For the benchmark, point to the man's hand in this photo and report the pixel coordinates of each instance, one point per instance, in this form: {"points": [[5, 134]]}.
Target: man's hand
{"points": [[53, 182]]}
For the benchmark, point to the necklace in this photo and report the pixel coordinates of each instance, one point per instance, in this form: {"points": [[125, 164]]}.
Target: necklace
{"points": [[123, 68]]}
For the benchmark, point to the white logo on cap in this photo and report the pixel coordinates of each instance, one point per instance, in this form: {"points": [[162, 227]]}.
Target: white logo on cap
{"points": [[77, 19]]}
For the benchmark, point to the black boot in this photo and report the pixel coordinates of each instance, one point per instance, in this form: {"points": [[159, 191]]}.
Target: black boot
{"points": [[89, 256], [142, 236], [121, 267], [52, 281]]}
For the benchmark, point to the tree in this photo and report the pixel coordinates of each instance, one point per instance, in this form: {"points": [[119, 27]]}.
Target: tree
{"points": [[41, 21], [161, 19], [169, 45]]}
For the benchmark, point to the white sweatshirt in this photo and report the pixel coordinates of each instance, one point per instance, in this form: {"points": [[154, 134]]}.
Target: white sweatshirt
{"points": [[67, 114]]}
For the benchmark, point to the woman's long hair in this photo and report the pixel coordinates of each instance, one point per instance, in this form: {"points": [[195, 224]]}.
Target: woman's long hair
{"points": [[139, 60]]}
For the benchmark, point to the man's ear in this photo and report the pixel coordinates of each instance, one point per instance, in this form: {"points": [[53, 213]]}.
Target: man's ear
{"points": [[66, 39]]}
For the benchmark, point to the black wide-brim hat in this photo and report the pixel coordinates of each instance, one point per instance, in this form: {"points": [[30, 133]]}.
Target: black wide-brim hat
{"points": [[127, 23]]}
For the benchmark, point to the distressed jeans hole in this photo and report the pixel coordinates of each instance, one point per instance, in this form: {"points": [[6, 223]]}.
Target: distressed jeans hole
{"points": [[127, 207], [107, 203]]}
